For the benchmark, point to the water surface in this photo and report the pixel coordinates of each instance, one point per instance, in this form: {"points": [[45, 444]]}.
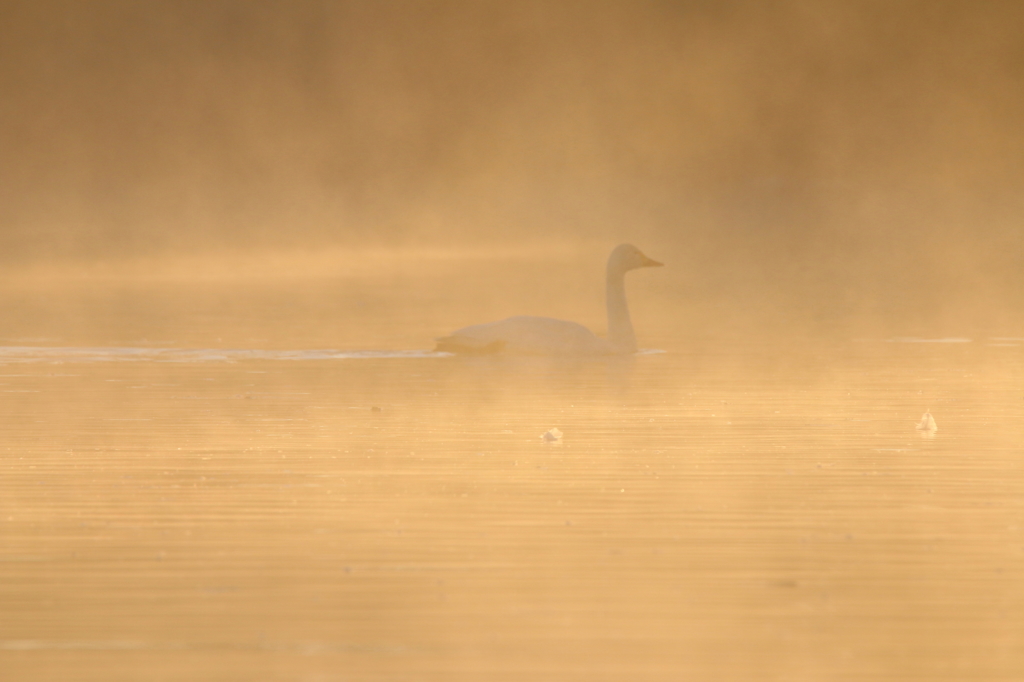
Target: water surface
{"points": [[738, 510]]}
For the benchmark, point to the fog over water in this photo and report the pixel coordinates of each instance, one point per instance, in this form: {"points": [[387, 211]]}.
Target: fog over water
{"points": [[834, 161], [230, 233]]}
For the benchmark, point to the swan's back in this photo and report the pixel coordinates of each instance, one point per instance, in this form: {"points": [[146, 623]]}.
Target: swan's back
{"points": [[526, 335]]}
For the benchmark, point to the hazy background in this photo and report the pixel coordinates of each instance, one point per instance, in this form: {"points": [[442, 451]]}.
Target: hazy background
{"points": [[836, 163], [195, 193]]}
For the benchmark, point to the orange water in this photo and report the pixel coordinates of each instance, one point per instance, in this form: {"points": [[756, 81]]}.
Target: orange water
{"points": [[738, 510]]}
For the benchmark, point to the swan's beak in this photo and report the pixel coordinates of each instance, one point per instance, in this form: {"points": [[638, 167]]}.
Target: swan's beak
{"points": [[650, 263]]}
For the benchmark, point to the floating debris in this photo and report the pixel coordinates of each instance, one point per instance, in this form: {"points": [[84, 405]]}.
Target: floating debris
{"points": [[927, 424], [552, 436]]}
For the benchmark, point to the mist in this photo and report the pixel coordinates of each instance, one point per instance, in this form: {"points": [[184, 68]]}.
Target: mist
{"points": [[822, 163], [311, 366]]}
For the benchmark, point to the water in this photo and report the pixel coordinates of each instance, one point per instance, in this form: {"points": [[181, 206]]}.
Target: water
{"points": [[739, 510]]}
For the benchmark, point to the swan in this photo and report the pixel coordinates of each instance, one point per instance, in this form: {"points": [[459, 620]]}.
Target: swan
{"points": [[530, 335]]}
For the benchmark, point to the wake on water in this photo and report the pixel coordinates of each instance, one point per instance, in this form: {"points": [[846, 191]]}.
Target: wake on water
{"points": [[114, 354], [13, 354]]}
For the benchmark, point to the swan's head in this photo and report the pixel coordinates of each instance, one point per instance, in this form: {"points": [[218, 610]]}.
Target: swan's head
{"points": [[627, 257]]}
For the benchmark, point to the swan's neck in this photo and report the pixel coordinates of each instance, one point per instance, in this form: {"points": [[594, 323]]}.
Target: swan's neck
{"points": [[620, 328]]}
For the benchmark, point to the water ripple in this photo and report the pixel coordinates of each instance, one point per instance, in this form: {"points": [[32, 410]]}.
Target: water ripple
{"points": [[10, 354]]}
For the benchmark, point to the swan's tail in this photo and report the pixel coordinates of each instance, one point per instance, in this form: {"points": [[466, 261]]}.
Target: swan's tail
{"points": [[468, 346]]}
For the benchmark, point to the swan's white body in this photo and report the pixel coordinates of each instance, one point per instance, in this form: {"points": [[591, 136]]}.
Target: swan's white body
{"points": [[547, 336]]}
